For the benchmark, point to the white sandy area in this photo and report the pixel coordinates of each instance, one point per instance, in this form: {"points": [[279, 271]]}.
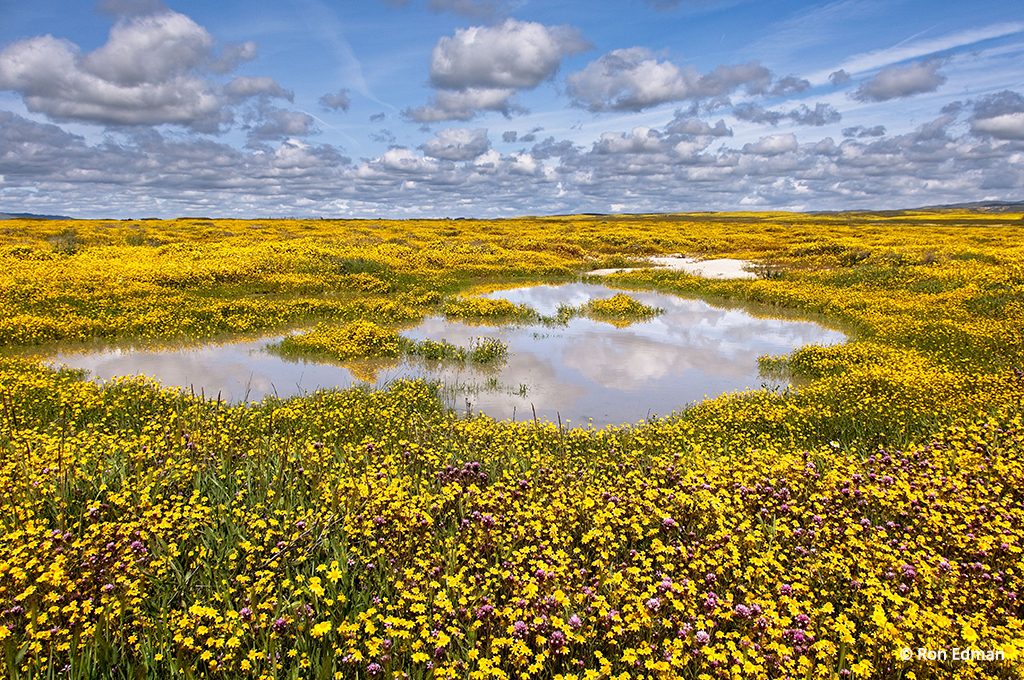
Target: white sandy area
{"points": [[722, 268]]}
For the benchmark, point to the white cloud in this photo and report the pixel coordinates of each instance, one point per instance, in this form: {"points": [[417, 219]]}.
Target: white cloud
{"points": [[999, 115], [52, 79], [524, 164], [149, 49], [772, 145], [403, 160], [463, 104], [688, 125], [457, 144], [336, 101], [839, 78], [232, 55], [513, 54], [149, 72], [634, 79], [894, 82], [274, 123], [639, 140], [630, 80], [753, 76], [821, 114], [245, 86], [1005, 126], [480, 68]]}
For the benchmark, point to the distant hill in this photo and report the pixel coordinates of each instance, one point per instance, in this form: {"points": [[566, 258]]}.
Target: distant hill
{"points": [[982, 206], [31, 216]]}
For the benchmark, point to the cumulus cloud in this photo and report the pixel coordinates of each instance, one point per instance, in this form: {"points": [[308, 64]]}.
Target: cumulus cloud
{"points": [[384, 136], [639, 140], [645, 151], [274, 123], [149, 72], [821, 114], [36, 149], [514, 54], [464, 104], [754, 77], [51, 79], [999, 115], [755, 113], [552, 148], [457, 144], [634, 79], [772, 145], [402, 160], [523, 163], [790, 85], [1005, 126], [861, 132], [894, 82], [336, 101], [232, 56], [149, 49], [480, 68], [685, 124], [629, 80], [839, 78], [531, 135], [528, 137], [244, 87]]}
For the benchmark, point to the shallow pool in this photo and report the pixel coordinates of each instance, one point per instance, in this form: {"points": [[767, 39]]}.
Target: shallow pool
{"points": [[582, 371]]}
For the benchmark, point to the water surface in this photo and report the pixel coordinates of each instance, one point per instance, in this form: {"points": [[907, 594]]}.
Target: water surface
{"points": [[582, 371]]}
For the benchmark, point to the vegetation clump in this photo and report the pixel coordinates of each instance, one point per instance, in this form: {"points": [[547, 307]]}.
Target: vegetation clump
{"points": [[367, 340], [436, 350], [481, 308], [358, 339], [480, 351], [488, 351], [620, 309]]}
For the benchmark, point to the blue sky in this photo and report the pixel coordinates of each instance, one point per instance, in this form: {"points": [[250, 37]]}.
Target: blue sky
{"points": [[503, 107]]}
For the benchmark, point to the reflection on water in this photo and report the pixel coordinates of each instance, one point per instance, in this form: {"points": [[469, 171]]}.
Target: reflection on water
{"points": [[583, 370]]}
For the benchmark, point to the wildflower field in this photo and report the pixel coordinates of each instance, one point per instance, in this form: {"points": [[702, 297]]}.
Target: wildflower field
{"points": [[814, 532]]}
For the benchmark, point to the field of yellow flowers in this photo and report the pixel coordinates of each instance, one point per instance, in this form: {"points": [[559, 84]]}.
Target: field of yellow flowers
{"points": [[816, 532]]}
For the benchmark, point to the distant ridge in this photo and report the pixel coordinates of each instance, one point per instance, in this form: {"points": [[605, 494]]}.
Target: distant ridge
{"points": [[983, 206], [979, 206], [32, 216]]}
